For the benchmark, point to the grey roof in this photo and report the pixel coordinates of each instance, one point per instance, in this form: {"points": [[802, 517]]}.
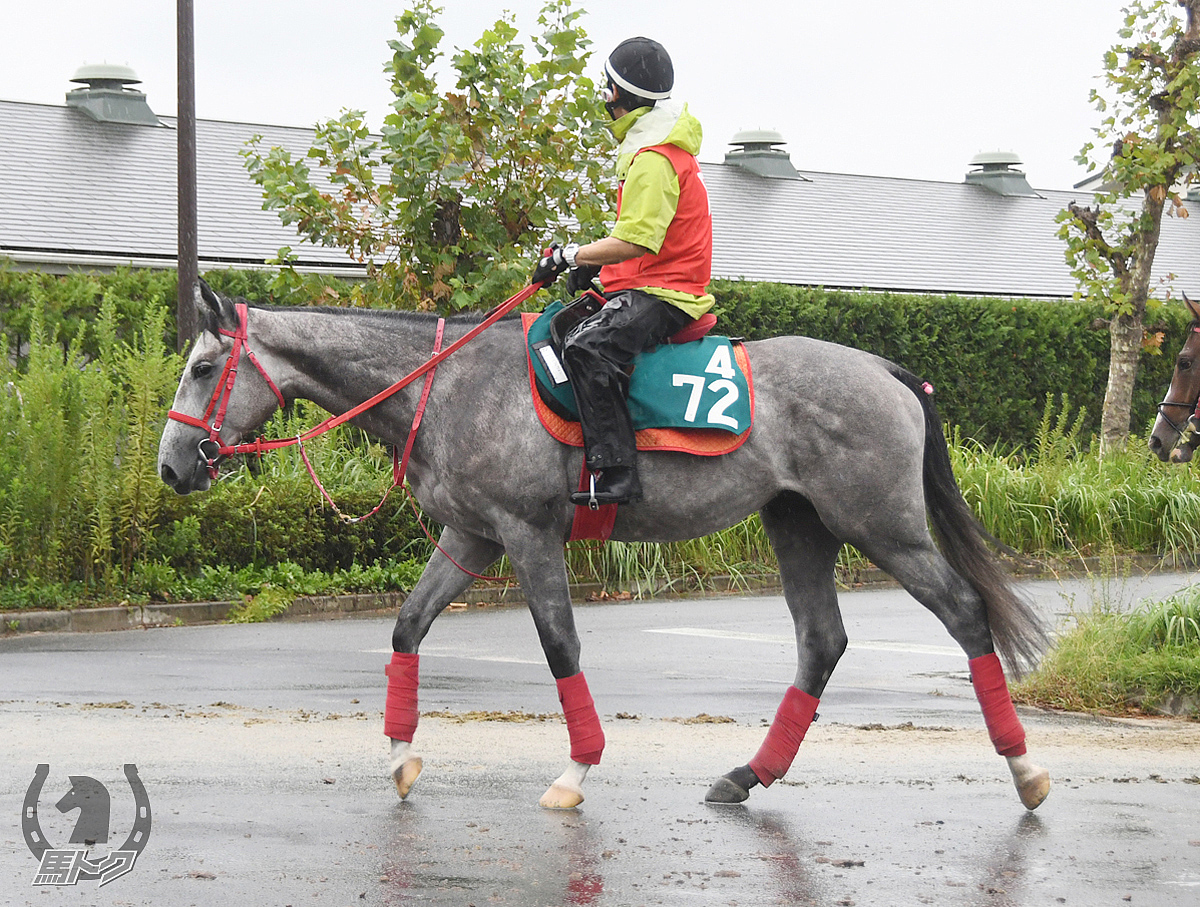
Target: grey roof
{"points": [[74, 192], [77, 192], [867, 232]]}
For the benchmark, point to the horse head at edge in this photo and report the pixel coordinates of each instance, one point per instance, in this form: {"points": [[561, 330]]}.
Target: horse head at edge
{"points": [[212, 408], [1174, 436]]}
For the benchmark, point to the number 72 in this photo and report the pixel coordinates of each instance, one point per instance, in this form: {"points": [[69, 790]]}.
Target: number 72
{"points": [[716, 413]]}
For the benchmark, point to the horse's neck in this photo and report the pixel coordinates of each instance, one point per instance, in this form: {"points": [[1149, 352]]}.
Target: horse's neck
{"points": [[340, 359]]}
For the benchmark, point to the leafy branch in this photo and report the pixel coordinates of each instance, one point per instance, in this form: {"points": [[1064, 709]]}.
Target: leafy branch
{"points": [[445, 205]]}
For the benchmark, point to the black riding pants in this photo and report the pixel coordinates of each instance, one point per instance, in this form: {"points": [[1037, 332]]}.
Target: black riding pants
{"points": [[597, 354]]}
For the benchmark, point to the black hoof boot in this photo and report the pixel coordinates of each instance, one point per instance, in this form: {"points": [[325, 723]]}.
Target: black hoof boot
{"points": [[732, 787], [616, 485]]}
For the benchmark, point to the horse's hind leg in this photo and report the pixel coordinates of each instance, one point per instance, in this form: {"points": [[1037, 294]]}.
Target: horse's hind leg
{"points": [[807, 553], [926, 575], [440, 583]]}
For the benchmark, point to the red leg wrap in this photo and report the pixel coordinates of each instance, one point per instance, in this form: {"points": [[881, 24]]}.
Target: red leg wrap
{"points": [[1004, 727], [583, 724], [400, 710], [791, 723]]}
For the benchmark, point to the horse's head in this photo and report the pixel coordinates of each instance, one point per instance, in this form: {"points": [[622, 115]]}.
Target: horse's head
{"points": [[219, 401], [90, 797], [1171, 437]]}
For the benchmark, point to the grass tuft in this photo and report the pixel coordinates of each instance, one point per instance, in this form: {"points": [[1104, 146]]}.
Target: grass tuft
{"points": [[1147, 660]]}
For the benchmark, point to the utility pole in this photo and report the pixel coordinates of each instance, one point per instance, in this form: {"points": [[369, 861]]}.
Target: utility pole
{"points": [[188, 263]]}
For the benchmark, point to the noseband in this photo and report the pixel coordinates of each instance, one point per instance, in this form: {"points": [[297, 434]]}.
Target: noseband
{"points": [[211, 449]]}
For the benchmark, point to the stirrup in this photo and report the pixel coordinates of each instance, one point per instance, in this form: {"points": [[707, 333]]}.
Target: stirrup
{"points": [[593, 504]]}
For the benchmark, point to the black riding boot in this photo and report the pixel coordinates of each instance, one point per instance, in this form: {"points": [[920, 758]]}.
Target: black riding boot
{"points": [[614, 485], [596, 354]]}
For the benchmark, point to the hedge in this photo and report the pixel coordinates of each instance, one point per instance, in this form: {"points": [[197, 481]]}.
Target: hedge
{"points": [[91, 370], [992, 362]]}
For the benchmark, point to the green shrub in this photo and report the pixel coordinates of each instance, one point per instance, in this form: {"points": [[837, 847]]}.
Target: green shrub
{"points": [[79, 494], [991, 361], [270, 602], [153, 579], [1170, 624], [67, 306]]}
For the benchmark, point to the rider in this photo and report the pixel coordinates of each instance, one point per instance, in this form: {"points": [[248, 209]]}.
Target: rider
{"points": [[654, 266]]}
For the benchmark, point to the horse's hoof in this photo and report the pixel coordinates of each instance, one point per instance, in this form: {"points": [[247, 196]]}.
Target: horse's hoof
{"points": [[726, 791], [1034, 789], [1032, 781], [561, 796], [405, 775]]}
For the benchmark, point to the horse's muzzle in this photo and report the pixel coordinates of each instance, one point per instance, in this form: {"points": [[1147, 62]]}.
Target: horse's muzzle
{"points": [[197, 480], [1158, 448]]}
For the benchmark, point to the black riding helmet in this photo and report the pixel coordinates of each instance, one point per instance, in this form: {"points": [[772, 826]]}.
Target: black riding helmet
{"points": [[642, 69]]}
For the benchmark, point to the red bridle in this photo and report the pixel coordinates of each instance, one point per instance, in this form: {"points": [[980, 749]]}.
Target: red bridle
{"points": [[221, 394], [211, 448]]}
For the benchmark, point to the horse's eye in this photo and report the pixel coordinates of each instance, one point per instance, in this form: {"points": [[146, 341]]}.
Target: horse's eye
{"points": [[1184, 364], [202, 369]]}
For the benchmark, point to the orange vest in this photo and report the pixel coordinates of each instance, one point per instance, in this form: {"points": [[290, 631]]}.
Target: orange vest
{"points": [[684, 263]]}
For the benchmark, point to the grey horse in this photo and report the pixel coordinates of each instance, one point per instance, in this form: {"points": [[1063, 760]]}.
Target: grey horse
{"points": [[846, 448]]}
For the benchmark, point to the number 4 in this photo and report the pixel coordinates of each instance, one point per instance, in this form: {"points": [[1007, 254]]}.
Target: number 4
{"points": [[720, 363]]}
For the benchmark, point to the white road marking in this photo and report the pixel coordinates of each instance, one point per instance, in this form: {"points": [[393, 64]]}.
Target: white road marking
{"points": [[877, 646], [447, 653]]}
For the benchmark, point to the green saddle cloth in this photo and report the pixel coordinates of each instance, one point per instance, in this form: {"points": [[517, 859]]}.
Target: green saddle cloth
{"points": [[698, 384]]}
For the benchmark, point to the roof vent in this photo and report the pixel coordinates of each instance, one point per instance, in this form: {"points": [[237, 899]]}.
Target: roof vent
{"points": [[996, 171], [755, 151], [106, 99]]}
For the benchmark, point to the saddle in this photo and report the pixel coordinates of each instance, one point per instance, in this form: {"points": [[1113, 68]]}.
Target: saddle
{"points": [[709, 364], [592, 302], [693, 394]]}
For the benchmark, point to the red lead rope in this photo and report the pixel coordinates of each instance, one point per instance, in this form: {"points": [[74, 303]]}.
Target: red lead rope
{"points": [[224, 390], [399, 464]]}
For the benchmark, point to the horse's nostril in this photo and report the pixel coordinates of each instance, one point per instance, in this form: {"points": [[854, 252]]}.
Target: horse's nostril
{"points": [[1155, 444], [168, 475]]}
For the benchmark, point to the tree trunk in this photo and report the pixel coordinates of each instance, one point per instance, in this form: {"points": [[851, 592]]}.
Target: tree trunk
{"points": [[1125, 331], [1125, 345]]}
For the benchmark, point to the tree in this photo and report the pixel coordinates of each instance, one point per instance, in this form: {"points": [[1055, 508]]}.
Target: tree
{"points": [[1151, 84], [446, 207]]}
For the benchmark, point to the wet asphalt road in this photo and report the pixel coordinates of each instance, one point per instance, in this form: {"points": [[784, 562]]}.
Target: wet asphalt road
{"points": [[261, 748]]}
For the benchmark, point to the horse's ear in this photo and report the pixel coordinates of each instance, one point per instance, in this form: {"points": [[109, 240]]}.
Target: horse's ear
{"points": [[208, 296], [212, 309], [1193, 307]]}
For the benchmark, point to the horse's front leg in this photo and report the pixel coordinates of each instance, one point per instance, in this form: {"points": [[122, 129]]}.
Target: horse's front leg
{"points": [[537, 558], [441, 582]]}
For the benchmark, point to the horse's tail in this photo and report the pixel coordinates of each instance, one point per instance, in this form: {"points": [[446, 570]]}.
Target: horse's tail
{"points": [[1016, 629]]}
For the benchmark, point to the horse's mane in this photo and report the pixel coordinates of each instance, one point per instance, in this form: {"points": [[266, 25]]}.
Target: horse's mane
{"points": [[467, 319]]}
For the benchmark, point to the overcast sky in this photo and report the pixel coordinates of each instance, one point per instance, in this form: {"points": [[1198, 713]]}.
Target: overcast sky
{"points": [[906, 89]]}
